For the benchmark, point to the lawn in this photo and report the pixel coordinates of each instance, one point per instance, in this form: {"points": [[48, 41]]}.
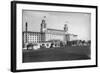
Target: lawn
{"points": [[57, 54]]}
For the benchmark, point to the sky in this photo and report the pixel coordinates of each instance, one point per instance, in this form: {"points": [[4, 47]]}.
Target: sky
{"points": [[78, 23]]}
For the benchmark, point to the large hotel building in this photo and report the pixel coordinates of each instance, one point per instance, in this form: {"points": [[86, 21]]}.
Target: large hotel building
{"points": [[46, 35]]}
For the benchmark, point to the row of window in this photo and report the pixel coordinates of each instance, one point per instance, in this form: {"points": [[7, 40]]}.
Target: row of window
{"points": [[36, 36], [32, 40], [32, 35], [39, 35]]}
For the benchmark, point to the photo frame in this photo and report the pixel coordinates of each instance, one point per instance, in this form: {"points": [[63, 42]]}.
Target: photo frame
{"points": [[73, 47]]}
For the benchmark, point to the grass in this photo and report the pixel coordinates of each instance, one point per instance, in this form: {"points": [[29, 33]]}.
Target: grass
{"points": [[57, 54]]}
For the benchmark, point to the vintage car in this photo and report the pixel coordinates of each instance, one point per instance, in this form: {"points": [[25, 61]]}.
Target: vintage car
{"points": [[36, 46]]}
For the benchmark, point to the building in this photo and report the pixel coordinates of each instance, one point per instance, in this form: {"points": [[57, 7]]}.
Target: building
{"points": [[47, 35], [71, 37]]}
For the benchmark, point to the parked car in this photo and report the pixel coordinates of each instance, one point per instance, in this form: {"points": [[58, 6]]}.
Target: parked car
{"points": [[43, 46], [36, 46], [30, 46]]}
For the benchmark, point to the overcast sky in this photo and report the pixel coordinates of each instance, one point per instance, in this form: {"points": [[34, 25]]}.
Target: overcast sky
{"points": [[78, 23]]}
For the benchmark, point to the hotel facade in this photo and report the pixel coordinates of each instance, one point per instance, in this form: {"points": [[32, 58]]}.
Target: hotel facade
{"points": [[46, 35]]}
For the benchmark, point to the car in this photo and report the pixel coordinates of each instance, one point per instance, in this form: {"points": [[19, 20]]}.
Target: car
{"points": [[36, 46]]}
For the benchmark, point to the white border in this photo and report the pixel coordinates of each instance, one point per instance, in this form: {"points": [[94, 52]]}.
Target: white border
{"points": [[35, 65]]}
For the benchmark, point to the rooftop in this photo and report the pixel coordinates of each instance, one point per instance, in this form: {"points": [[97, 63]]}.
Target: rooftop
{"points": [[55, 29]]}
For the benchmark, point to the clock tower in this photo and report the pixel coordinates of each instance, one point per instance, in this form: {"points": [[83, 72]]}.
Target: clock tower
{"points": [[43, 25]]}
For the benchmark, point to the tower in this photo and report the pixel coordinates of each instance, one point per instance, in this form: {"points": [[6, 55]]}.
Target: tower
{"points": [[66, 33], [43, 29], [26, 31], [66, 28], [43, 25]]}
